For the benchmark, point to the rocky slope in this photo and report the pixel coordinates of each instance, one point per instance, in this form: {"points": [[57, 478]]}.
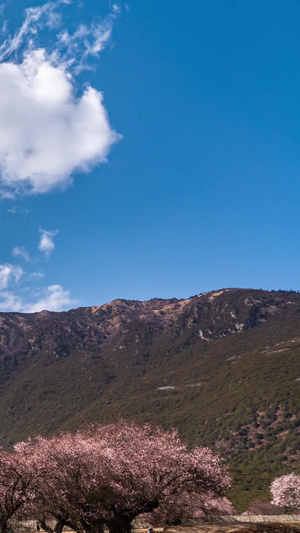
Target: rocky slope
{"points": [[216, 314]]}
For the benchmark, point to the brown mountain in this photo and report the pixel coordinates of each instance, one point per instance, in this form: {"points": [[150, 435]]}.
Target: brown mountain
{"points": [[222, 366]]}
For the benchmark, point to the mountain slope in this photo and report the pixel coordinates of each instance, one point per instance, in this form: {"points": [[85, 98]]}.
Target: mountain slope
{"points": [[223, 367]]}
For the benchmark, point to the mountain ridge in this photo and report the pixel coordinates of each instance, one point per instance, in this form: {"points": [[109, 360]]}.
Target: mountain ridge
{"points": [[221, 366]]}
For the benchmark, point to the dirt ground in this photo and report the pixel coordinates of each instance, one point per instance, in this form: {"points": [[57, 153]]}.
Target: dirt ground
{"points": [[236, 528]]}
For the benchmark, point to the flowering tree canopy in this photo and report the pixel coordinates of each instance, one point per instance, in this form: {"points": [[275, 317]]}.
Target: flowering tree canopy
{"points": [[189, 506], [15, 486], [149, 467], [67, 487], [286, 491], [108, 475]]}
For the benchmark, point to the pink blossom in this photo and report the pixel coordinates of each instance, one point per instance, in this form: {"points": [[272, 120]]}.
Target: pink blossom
{"points": [[109, 475], [286, 491]]}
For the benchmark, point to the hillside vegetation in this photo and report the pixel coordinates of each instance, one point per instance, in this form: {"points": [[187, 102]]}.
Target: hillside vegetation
{"points": [[223, 367]]}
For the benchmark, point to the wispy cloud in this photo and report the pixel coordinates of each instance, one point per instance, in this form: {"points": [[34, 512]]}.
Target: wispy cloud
{"points": [[28, 300], [8, 274], [68, 49], [35, 19], [53, 298], [36, 275], [46, 244], [84, 42], [47, 130], [15, 209], [20, 251]]}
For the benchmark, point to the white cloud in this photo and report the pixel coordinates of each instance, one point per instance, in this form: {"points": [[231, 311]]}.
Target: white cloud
{"points": [[20, 251], [46, 244], [36, 275], [54, 298], [116, 8], [8, 274], [9, 302], [47, 130], [46, 133]]}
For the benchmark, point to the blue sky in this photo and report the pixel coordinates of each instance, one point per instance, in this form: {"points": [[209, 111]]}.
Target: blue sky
{"points": [[185, 178]]}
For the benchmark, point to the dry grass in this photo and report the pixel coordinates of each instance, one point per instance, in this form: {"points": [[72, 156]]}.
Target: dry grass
{"points": [[236, 528]]}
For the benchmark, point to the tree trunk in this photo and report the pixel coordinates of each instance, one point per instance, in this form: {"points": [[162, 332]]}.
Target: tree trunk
{"points": [[45, 526], [120, 524], [3, 527], [122, 521], [94, 526], [59, 526]]}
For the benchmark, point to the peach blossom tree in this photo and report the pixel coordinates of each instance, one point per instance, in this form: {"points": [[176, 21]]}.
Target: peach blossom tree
{"points": [[285, 491], [16, 480], [106, 476]]}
